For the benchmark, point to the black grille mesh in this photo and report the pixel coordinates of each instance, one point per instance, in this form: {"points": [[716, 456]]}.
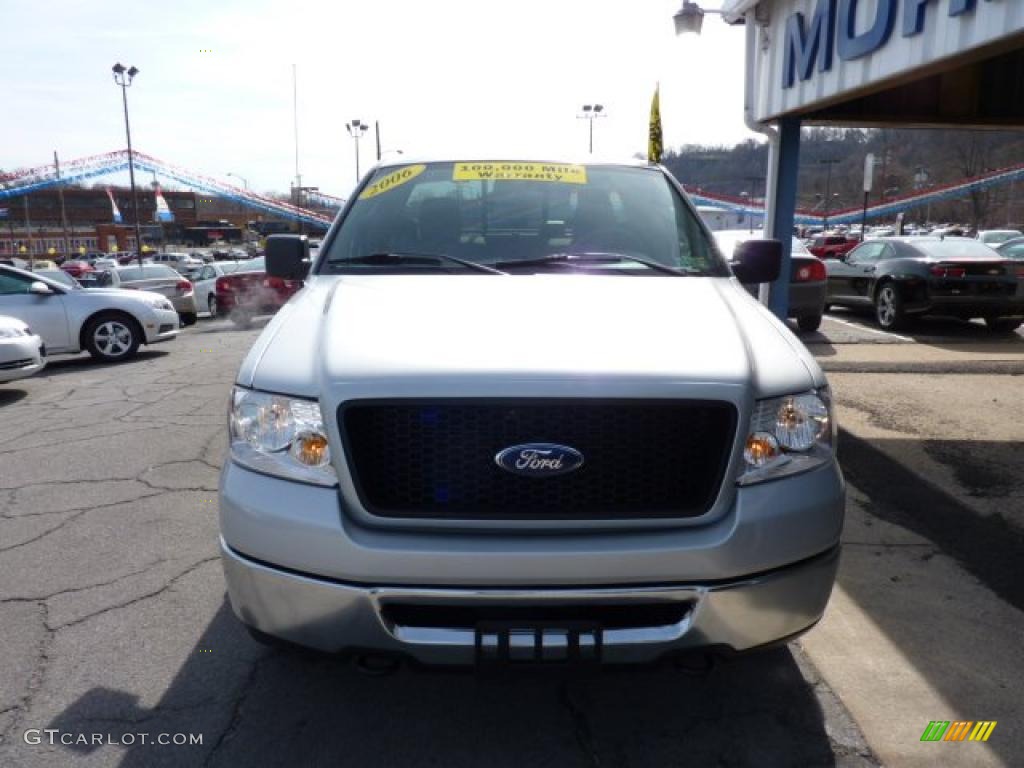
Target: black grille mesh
{"points": [[435, 459]]}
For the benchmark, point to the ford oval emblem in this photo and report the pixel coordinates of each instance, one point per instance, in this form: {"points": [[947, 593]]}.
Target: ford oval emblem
{"points": [[539, 459]]}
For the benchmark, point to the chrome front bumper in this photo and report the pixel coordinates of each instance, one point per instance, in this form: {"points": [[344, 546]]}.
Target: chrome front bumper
{"points": [[14, 351], [333, 616], [162, 326]]}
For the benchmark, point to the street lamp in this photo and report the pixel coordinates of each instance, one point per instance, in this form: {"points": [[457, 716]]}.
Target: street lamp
{"points": [[356, 129], [690, 18], [828, 162], [590, 113], [245, 183], [124, 77]]}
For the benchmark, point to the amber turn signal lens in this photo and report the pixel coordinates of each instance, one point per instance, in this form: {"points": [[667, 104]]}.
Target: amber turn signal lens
{"points": [[311, 449], [760, 449]]}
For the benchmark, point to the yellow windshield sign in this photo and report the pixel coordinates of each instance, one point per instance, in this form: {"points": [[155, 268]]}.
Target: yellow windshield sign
{"points": [[392, 180], [511, 171]]}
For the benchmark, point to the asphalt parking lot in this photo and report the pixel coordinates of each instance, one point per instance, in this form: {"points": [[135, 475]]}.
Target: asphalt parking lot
{"points": [[113, 617]]}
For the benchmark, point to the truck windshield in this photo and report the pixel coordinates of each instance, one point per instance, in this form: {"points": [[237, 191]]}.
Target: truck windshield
{"points": [[516, 215]]}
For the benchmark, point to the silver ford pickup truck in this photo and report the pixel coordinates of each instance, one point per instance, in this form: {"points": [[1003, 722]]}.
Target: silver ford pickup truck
{"points": [[525, 412]]}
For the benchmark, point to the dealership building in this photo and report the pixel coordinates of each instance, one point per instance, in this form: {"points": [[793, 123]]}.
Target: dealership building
{"points": [[874, 63], [36, 221]]}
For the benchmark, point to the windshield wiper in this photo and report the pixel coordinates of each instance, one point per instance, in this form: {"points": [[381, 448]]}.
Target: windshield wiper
{"points": [[430, 259], [596, 257]]}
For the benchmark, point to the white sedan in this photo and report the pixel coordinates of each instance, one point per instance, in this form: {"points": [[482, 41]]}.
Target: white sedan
{"points": [[205, 281], [109, 323], [22, 353]]}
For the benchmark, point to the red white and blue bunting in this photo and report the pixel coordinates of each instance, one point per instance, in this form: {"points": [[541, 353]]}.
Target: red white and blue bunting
{"points": [[82, 169]]}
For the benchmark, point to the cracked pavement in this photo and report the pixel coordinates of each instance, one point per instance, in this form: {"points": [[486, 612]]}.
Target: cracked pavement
{"points": [[114, 620]]}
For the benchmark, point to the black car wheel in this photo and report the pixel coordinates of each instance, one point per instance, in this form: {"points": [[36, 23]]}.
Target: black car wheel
{"points": [[889, 307], [809, 322], [211, 305], [189, 318], [112, 337], [1003, 324]]}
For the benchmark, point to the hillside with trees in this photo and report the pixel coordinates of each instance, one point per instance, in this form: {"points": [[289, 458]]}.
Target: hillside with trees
{"points": [[906, 161]]}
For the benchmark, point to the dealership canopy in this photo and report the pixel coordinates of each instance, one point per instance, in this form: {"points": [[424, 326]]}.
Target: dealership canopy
{"points": [[888, 62], [896, 63]]}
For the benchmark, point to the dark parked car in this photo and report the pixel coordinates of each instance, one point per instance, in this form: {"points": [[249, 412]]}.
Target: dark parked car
{"points": [[806, 279], [901, 277], [100, 278]]}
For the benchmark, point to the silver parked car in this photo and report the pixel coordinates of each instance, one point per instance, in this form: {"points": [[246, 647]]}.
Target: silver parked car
{"points": [[108, 323], [161, 279], [180, 262], [994, 237], [22, 352], [60, 276], [524, 411]]}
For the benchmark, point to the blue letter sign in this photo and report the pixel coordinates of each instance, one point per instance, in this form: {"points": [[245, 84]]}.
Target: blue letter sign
{"points": [[913, 17], [803, 46], [854, 46]]}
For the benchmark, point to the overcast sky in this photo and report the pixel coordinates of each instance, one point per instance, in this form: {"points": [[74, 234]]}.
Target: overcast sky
{"points": [[441, 77]]}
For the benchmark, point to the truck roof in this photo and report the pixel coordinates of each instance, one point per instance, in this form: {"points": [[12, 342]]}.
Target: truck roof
{"points": [[395, 159]]}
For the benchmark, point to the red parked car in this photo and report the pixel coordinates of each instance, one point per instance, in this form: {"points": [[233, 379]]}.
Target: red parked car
{"points": [[242, 295], [77, 268], [832, 246]]}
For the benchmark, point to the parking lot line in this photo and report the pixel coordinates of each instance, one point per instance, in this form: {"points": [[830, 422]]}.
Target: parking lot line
{"points": [[855, 326]]}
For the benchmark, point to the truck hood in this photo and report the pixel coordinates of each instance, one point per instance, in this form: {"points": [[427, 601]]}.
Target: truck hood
{"points": [[451, 335]]}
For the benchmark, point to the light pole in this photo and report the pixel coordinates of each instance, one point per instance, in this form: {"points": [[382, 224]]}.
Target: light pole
{"points": [[1009, 204], [356, 129], [300, 202], [921, 181], [63, 210], [28, 234], [824, 203], [751, 187], [590, 113], [829, 162], [124, 77], [245, 183]]}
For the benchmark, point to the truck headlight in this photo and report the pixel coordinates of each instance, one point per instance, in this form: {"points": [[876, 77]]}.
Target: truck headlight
{"points": [[281, 436], [788, 435]]}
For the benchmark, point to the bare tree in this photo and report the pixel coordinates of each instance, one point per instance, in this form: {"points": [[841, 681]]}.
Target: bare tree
{"points": [[972, 153]]}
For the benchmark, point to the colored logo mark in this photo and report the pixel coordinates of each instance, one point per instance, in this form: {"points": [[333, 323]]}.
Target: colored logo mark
{"points": [[958, 730]]}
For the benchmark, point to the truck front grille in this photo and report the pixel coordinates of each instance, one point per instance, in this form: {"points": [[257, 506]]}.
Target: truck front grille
{"points": [[436, 458]]}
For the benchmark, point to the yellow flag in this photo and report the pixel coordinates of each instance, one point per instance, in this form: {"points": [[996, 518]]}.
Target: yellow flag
{"points": [[654, 145]]}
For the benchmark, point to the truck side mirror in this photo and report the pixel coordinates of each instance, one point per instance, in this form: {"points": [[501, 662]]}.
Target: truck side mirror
{"points": [[287, 256], [757, 261]]}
